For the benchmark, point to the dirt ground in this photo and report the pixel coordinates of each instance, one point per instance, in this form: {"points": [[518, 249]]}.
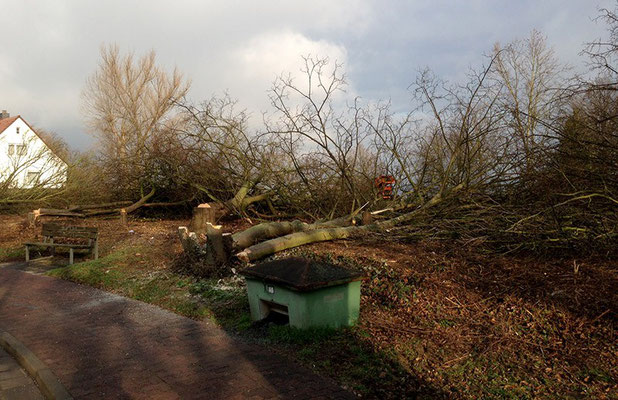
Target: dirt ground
{"points": [[507, 327], [461, 322]]}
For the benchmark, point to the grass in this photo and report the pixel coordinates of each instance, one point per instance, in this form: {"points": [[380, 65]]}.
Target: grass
{"points": [[438, 356], [12, 253], [120, 272], [128, 272]]}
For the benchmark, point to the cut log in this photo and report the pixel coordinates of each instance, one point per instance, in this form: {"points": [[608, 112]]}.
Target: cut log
{"points": [[272, 246], [269, 230], [58, 212], [264, 231], [114, 204]]}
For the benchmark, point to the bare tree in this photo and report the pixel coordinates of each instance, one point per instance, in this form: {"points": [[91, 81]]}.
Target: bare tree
{"points": [[218, 155], [322, 146], [531, 80], [127, 101]]}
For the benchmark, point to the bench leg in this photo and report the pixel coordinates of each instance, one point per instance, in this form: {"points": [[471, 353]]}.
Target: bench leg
{"points": [[71, 256], [27, 253]]}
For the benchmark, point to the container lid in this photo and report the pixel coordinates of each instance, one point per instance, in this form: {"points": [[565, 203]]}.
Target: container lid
{"points": [[301, 274]]}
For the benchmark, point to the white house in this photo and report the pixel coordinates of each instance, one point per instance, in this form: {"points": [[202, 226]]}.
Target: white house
{"points": [[25, 159]]}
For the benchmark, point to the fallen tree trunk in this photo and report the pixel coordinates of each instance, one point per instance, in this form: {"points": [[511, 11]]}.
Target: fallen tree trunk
{"points": [[166, 204], [263, 231], [296, 239], [269, 230], [140, 202], [114, 204], [80, 211], [58, 212], [272, 246]]}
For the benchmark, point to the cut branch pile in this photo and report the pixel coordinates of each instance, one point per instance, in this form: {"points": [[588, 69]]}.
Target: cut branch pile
{"points": [[269, 238], [447, 215], [93, 210]]}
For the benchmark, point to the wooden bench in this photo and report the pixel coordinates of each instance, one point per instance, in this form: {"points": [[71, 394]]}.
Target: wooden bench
{"points": [[85, 238]]}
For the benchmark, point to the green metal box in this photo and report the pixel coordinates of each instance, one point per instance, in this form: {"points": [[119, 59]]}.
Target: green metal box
{"points": [[311, 294]]}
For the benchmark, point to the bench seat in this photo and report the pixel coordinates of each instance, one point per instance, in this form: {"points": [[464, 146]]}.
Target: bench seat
{"points": [[50, 232], [43, 244]]}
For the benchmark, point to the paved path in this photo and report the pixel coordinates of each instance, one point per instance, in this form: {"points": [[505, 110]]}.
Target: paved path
{"points": [[101, 345], [15, 383]]}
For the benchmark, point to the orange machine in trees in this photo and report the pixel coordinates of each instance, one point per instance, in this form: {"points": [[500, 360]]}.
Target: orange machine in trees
{"points": [[385, 184]]}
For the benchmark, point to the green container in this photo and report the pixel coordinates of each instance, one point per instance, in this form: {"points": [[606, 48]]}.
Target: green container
{"points": [[311, 294]]}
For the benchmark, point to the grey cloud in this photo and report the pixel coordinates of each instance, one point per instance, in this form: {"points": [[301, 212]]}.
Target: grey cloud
{"points": [[49, 48]]}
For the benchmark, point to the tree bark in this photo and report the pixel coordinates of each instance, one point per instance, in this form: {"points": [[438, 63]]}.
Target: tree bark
{"points": [[214, 244], [263, 231], [202, 215], [140, 202], [272, 246], [123, 218], [99, 206], [189, 242]]}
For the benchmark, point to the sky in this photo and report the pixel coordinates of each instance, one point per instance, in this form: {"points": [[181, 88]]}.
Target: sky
{"points": [[49, 48]]}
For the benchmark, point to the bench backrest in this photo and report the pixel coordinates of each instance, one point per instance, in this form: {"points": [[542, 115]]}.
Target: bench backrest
{"points": [[55, 230]]}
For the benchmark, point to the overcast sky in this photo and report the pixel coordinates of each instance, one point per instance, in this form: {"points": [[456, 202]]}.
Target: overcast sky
{"points": [[49, 48]]}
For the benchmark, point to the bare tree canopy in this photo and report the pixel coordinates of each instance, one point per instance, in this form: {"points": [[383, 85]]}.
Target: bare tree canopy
{"points": [[127, 102]]}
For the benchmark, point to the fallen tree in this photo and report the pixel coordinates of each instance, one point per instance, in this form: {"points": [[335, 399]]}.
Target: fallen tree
{"points": [[269, 230], [92, 210], [269, 238]]}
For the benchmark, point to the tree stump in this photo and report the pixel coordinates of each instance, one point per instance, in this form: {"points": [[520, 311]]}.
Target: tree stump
{"points": [[189, 242], [202, 216], [123, 218], [215, 244], [34, 218]]}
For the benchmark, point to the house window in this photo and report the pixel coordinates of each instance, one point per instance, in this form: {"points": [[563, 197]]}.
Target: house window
{"points": [[21, 149], [17, 130], [32, 177], [11, 149]]}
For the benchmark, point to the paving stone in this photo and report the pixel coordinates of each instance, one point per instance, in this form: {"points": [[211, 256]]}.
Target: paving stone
{"points": [[101, 345], [15, 383], [28, 392]]}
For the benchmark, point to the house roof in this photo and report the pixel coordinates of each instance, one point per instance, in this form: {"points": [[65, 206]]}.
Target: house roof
{"points": [[6, 122]]}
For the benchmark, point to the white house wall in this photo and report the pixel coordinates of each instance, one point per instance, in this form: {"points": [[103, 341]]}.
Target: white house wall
{"points": [[37, 161]]}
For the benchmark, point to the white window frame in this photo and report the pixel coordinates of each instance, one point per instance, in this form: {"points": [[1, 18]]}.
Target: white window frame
{"points": [[32, 177], [21, 149]]}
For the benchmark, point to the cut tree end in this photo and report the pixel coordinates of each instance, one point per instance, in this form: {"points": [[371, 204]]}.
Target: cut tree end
{"points": [[244, 256]]}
